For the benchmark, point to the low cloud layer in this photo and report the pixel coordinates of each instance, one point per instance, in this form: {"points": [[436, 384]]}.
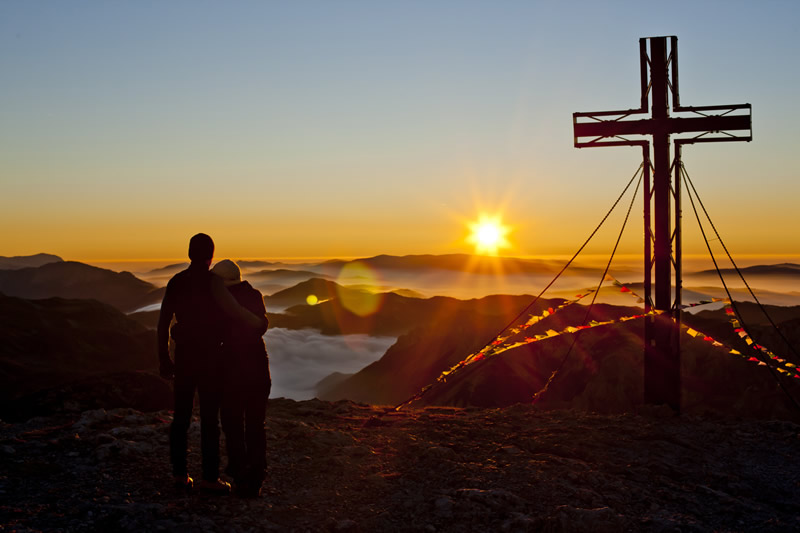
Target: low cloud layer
{"points": [[299, 359]]}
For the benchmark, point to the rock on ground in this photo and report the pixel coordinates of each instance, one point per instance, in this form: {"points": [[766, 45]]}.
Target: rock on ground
{"points": [[347, 467]]}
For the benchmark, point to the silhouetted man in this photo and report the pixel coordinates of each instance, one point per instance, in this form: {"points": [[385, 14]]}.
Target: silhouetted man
{"points": [[200, 302], [247, 387]]}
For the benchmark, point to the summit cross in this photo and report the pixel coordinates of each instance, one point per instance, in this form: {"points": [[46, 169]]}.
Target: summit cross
{"points": [[717, 123]]}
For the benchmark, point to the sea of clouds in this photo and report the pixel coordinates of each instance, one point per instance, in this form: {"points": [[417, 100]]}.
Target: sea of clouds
{"points": [[299, 359]]}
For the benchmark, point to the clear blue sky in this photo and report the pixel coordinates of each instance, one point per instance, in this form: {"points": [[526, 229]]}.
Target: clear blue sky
{"points": [[345, 128]]}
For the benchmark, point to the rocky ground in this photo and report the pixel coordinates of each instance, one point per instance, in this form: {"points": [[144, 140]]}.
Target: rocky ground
{"points": [[349, 467]]}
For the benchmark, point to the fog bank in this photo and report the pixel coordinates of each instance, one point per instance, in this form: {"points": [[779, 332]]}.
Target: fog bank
{"points": [[299, 359]]}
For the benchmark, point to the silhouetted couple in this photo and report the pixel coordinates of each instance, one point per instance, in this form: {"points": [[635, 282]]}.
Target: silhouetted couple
{"points": [[218, 332]]}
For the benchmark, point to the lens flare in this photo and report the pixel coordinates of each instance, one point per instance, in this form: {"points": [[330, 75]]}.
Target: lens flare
{"points": [[361, 296]]}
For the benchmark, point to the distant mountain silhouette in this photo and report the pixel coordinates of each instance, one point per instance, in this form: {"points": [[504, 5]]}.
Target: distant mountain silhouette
{"points": [[752, 314], [694, 293], [272, 281], [408, 293], [173, 268], [322, 288], [245, 264], [53, 341], [70, 279], [24, 261], [781, 270], [459, 263], [284, 274], [603, 372], [394, 314], [328, 316], [248, 265]]}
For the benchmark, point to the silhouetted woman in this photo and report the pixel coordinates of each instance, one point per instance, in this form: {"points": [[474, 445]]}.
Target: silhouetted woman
{"points": [[247, 386]]}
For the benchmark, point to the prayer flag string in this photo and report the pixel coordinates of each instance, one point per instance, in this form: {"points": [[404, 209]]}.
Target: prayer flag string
{"points": [[504, 342], [510, 340], [778, 363]]}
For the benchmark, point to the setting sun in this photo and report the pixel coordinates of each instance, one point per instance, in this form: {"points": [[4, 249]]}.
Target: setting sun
{"points": [[488, 235]]}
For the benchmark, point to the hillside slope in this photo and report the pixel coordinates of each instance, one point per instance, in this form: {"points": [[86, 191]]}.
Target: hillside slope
{"points": [[51, 342], [598, 370]]}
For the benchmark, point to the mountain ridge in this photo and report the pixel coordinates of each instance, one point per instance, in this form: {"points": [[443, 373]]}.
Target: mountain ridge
{"points": [[458, 263], [24, 261], [73, 279], [777, 269]]}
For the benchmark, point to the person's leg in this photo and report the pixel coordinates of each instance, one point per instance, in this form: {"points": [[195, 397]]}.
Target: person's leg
{"points": [[232, 415], [257, 392], [210, 394], [183, 389]]}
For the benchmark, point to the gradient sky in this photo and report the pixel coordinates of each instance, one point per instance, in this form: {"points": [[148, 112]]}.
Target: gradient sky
{"points": [[352, 127]]}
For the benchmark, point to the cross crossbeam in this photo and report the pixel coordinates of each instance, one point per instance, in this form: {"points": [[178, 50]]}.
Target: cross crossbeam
{"points": [[716, 123], [710, 124]]}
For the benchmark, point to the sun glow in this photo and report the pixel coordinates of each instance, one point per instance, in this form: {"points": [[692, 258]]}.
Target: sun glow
{"points": [[488, 235]]}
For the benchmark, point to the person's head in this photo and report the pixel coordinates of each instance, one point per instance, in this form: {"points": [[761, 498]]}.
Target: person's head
{"points": [[201, 249], [228, 271]]}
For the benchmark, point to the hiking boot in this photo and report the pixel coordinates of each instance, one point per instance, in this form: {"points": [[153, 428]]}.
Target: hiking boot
{"points": [[183, 482], [216, 487]]}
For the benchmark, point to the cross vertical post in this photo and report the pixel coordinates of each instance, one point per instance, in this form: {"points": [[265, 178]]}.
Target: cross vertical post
{"points": [[662, 361], [662, 210]]}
